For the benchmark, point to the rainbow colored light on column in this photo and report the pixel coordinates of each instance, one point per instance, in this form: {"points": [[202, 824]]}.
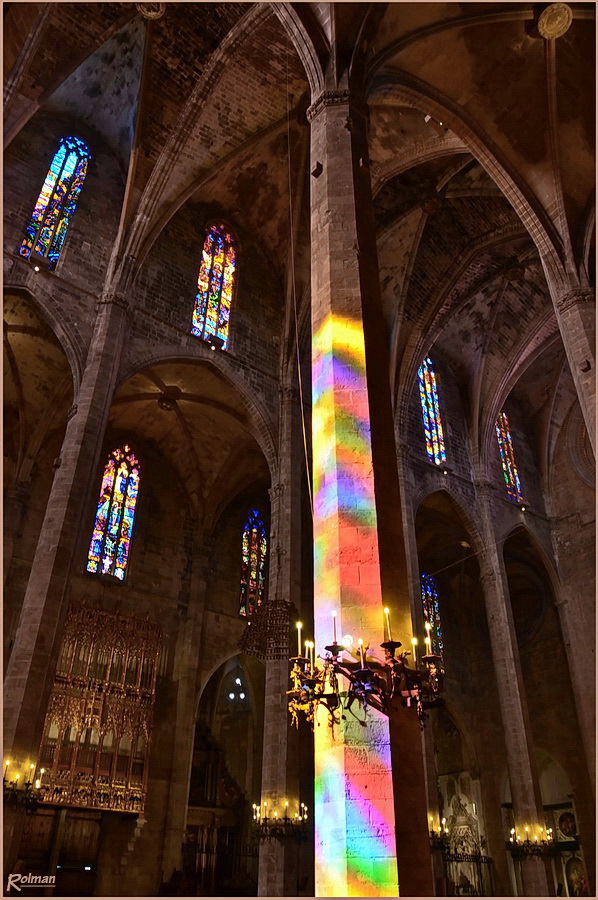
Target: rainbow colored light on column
{"points": [[354, 807]]}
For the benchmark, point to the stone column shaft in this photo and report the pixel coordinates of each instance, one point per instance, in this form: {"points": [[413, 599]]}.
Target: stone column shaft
{"points": [[280, 767], [523, 777], [576, 315], [37, 640], [359, 561]]}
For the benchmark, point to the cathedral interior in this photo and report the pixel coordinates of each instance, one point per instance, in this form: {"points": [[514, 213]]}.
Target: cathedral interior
{"points": [[299, 441]]}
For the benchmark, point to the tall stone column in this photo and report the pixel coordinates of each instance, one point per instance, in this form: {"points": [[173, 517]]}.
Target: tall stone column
{"points": [[17, 499], [280, 768], [576, 315], [37, 639], [186, 666], [359, 561], [523, 777]]}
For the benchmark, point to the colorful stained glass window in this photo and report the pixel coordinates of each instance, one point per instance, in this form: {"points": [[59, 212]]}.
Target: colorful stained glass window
{"points": [[56, 203], [215, 281], [109, 548], [432, 614], [254, 552], [507, 458], [428, 394]]}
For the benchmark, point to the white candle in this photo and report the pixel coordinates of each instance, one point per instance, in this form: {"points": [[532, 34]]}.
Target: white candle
{"points": [[414, 645], [360, 642], [334, 625], [387, 616], [298, 638]]}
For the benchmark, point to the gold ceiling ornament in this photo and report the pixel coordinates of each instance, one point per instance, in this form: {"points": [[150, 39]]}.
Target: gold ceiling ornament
{"points": [[555, 20], [151, 10]]}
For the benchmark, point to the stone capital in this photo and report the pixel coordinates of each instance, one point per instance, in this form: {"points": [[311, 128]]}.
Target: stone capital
{"points": [[488, 580], [327, 98], [574, 297], [115, 298], [276, 491], [289, 392], [483, 489]]}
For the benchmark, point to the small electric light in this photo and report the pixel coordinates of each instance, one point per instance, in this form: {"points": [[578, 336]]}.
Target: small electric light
{"points": [[237, 681], [231, 696], [36, 268], [38, 784], [242, 696]]}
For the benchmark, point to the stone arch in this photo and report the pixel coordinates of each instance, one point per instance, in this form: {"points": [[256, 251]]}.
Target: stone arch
{"points": [[304, 44], [259, 427], [521, 530], [221, 664], [412, 91], [468, 523], [64, 334]]}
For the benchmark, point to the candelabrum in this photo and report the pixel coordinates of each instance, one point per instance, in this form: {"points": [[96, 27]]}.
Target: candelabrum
{"points": [[268, 824], [371, 682], [21, 793], [542, 843], [439, 837]]}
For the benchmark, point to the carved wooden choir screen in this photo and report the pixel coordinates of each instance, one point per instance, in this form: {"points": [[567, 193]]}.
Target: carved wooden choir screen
{"points": [[97, 733]]}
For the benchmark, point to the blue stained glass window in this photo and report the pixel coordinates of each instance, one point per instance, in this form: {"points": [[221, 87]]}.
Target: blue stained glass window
{"points": [[507, 459], [113, 526], [428, 394], [431, 609], [49, 222], [254, 552]]}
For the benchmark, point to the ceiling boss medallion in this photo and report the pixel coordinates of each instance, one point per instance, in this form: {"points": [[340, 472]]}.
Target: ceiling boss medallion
{"points": [[555, 20], [151, 10]]}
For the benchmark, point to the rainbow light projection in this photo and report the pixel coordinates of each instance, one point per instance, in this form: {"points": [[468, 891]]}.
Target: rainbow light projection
{"points": [[57, 200], [109, 548], [507, 458], [211, 312], [354, 809], [431, 607], [254, 550], [428, 395]]}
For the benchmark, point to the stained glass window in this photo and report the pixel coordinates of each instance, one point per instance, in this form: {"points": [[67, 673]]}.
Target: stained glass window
{"points": [[254, 551], [507, 458], [432, 614], [56, 203], [431, 412], [109, 548], [211, 312]]}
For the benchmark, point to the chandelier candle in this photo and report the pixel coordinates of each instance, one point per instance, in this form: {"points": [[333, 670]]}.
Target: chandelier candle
{"points": [[334, 625], [298, 638], [387, 617]]}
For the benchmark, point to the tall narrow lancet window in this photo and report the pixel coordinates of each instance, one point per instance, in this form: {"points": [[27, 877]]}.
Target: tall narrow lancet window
{"points": [[254, 552], [215, 282], [507, 459], [56, 203], [431, 609], [109, 548], [428, 394]]}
